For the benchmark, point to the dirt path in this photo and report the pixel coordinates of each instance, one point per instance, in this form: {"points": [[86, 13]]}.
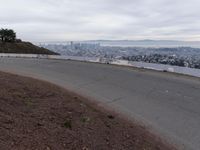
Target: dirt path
{"points": [[42, 116]]}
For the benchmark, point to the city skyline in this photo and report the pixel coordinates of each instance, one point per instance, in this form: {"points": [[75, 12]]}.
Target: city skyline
{"points": [[67, 20]]}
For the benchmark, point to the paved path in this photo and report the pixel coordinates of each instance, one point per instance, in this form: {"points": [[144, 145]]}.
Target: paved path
{"points": [[167, 103]]}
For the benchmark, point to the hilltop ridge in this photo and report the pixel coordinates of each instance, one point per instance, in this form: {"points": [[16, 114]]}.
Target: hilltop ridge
{"points": [[23, 48], [10, 44]]}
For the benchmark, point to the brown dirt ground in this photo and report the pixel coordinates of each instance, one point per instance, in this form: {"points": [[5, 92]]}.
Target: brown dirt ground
{"points": [[35, 115]]}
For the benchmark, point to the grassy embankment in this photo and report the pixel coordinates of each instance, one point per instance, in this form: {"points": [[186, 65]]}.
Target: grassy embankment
{"points": [[23, 48]]}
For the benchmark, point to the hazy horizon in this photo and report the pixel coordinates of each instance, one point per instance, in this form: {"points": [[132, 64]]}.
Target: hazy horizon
{"points": [[77, 20]]}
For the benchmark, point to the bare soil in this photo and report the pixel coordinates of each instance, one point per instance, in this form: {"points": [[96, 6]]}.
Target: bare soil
{"points": [[35, 115]]}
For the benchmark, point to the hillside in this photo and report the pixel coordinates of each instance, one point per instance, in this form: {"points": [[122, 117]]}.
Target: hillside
{"points": [[23, 48]]}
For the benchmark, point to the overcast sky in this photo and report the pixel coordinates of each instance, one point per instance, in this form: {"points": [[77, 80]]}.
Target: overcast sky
{"points": [[60, 20]]}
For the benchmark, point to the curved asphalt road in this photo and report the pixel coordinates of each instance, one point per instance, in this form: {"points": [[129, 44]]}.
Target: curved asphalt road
{"points": [[167, 103]]}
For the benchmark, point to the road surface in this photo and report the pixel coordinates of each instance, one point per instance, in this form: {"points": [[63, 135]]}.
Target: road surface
{"points": [[167, 103]]}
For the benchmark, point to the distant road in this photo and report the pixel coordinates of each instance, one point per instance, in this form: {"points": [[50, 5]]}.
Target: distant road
{"points": [[166, 103]]}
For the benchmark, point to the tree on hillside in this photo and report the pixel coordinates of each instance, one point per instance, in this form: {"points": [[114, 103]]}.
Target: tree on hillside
{"points": [[7, 35]]}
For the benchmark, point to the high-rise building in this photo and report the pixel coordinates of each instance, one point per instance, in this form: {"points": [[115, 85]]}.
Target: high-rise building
{"points": [[72, 45]]}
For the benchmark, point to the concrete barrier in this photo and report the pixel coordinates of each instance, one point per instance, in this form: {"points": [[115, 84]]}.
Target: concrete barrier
{"points": [[159, 67]]}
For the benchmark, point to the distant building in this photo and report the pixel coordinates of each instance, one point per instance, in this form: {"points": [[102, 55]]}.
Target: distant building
{"points": [[72, 45]]}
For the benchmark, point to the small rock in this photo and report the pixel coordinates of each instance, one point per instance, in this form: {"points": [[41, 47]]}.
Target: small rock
{"points": [[48, 148], [85, 148]]}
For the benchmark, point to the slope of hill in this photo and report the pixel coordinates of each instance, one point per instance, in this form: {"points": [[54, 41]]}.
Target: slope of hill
{"points": [[39, 115], [23, 48]]}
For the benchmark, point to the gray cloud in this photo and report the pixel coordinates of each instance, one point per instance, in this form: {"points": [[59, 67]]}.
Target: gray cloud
{"points": [[52, 20]]}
